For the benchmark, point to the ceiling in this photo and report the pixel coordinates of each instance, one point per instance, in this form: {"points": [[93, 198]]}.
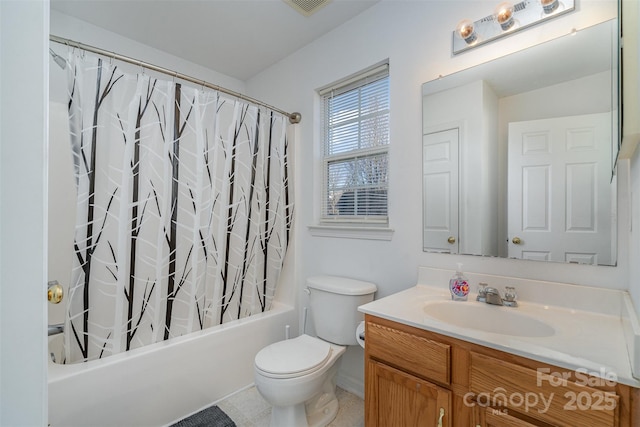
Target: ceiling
{"points": [[238, 38]]}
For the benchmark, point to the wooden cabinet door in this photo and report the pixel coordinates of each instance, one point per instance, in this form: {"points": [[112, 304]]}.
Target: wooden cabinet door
{"points": [[395, 398], [495, 418]]}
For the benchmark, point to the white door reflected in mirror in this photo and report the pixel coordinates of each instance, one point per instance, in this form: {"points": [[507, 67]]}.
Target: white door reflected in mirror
{"points": [[560, 189], [440, 184]]}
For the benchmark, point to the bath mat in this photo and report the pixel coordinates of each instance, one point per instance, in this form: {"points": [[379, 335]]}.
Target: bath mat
{"points": [[210, 417]]}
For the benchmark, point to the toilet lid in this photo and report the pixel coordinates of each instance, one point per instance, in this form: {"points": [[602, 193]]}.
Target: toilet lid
{"points": [[293, 357]]}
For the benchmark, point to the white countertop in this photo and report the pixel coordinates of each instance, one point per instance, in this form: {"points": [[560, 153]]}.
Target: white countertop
{"points": [[588, 341]]}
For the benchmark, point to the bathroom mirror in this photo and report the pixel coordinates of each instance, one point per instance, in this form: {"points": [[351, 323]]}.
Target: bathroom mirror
{"points": [[519, 153]]}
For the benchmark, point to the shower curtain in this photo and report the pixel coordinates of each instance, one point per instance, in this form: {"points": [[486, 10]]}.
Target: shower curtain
{"points": [[183, 210]]}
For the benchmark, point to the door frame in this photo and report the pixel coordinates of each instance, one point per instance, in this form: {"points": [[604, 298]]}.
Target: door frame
{"points": [[24, 104]]}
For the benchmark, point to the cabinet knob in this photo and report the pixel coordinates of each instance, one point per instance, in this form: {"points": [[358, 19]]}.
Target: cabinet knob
{"points": [[451, 240], [516, 241], [441, 417]]}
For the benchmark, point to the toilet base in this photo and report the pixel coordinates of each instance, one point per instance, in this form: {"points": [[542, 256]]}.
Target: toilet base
{"points": [[318, 411], [289, 416], [322, 409]]}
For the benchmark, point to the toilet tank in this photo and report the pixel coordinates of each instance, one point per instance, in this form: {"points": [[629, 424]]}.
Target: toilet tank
{"points": [[334, 305]]}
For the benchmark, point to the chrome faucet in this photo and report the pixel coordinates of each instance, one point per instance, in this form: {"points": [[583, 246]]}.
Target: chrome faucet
{"points": [[492, 296]]}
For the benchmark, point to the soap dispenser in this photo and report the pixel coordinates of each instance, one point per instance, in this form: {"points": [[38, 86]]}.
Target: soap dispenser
{"points": [[458, 285]]}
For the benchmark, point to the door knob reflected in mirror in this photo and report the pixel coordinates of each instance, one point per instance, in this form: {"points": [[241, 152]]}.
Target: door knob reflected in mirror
{"points": [[451, 240], [516, 241], [54, 292]]}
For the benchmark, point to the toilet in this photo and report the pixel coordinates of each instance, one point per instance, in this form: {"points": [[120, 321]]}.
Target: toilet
{"points": [[297, 376]]}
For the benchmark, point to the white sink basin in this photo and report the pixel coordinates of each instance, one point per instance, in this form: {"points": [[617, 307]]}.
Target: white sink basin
{"points": [[487, 318]]}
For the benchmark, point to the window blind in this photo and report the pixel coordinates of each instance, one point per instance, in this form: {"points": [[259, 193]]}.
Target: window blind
{"points": [[356, 139]]}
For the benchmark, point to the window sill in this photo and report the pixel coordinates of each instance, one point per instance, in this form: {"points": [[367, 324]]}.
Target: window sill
{"points": [[352, 232]]}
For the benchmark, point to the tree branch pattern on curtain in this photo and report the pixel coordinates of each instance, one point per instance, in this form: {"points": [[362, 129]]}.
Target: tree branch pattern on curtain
{"points": [[184, 209]]}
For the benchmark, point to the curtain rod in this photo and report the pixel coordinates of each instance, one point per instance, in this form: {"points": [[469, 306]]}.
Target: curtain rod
{"points": [[294, 118]]}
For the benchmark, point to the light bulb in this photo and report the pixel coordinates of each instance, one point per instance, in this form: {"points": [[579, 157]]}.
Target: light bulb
{"points": [[504, 15], [466, 31], [549, 6]]}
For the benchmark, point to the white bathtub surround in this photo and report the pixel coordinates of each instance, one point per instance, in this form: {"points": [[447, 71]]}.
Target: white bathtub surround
{"points": [[184, 208], [162, 383], [592, 326]]}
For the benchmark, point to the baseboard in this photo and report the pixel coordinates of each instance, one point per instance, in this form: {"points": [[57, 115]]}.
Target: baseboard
{"points": [[351, 384], [240, 390]]}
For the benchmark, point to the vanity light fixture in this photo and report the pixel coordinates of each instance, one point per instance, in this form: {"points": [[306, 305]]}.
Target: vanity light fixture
{"points": [[506, 19]]}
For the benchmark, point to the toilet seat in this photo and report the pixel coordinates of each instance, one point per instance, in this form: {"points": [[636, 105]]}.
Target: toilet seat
{"points": [[293, 358]]}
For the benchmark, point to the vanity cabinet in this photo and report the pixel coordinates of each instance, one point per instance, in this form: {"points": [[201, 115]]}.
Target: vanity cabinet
{"points": [[414, 377]]}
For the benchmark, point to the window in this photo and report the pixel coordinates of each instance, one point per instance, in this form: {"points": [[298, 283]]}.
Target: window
{"points": [[355, 116]]}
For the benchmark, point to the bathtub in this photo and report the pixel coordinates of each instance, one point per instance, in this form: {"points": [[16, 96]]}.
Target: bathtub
{"points": [[161, 383]]}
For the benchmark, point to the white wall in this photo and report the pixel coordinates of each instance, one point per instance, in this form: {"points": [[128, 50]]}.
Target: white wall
{"points": [[83, 32], [24, 29], [415, 37], [61, 205]]}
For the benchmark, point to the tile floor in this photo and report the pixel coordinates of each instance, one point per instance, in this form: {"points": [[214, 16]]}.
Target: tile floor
{"points": [[248, 409]]}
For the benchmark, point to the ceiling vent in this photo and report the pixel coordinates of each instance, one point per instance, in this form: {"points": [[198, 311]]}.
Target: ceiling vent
{"points": [[307, 7]]}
